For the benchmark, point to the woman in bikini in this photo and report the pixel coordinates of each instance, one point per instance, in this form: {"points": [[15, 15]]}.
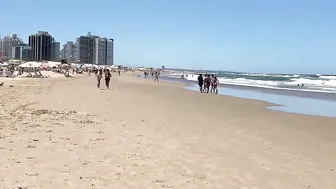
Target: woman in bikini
{"points": [[215, 84], [99, 77], [207, 82]]}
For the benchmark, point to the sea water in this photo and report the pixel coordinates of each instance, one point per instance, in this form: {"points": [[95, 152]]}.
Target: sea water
{"points": [[288, 103], [291, 82]]}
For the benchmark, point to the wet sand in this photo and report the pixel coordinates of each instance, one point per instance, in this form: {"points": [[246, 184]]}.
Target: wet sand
{"points": [[65, 133]]}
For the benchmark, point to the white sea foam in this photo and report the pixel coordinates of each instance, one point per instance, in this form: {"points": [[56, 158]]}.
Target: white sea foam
{"points": [[320, 83], [328, 77]]}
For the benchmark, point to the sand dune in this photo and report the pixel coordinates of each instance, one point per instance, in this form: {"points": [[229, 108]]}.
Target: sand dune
{"points": [[65, 133]]}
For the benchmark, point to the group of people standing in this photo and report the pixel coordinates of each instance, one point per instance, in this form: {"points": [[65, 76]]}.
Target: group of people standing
{"points": [[155, 74], [107, 76], [208, 83]]}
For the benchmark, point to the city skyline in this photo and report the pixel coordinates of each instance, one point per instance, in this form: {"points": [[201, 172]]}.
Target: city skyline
{"points": [[42, 46]]}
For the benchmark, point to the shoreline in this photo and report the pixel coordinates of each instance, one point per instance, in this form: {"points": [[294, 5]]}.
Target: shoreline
{"points": [[304, 94], [281, 102]]}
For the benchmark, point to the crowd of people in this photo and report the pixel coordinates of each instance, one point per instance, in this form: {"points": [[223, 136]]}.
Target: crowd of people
{"points": [[155, 74], [208, 83], [106, 75]]}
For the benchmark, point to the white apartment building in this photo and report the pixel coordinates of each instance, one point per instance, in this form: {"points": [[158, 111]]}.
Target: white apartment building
{"points": [[99, 55], [7, 44], [109, 51]]}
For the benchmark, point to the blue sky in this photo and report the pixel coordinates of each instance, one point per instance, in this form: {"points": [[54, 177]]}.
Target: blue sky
{"points": [[236, 35]]}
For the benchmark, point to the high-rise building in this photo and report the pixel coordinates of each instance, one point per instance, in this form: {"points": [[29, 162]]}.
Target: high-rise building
{"points": [[86, 48], [55, 51], [99, 55], [41, 44], [69, 51], [1, 47], [62, 53], [94, 49], [22, 52], [7, 44], [109, 51], [75, 52]]}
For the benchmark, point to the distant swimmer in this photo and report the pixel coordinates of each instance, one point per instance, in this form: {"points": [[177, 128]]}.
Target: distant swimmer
{"points": [[200, 82]]}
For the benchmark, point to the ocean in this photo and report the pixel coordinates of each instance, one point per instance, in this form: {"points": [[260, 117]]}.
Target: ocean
{"points": [[293, 82], [312, 94]]}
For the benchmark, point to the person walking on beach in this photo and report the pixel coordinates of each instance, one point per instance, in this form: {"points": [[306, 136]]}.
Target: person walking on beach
{"points": [[156, 76], [215, 84], [207, 82], [99, 77], [107, 78], [200, 82], [212, 83]]}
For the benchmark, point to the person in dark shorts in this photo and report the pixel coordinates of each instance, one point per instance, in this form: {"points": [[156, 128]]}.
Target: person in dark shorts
{"points": [[107, 78], [200, 82]]}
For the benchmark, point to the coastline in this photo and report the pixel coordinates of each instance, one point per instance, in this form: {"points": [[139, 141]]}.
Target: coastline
{"points": [[280, 100], [65, 133], [278, 91]]}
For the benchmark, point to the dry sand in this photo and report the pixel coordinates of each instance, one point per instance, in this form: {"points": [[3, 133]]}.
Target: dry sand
{"points": [[65, 133]]}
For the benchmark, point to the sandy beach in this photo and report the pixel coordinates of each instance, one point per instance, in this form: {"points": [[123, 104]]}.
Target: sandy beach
{"points": [[66, 133]]}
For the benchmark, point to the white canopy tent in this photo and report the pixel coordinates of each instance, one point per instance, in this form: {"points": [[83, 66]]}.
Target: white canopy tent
{"points": [[16, 62], [31, 65], [52, 64], [4, 64]]}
